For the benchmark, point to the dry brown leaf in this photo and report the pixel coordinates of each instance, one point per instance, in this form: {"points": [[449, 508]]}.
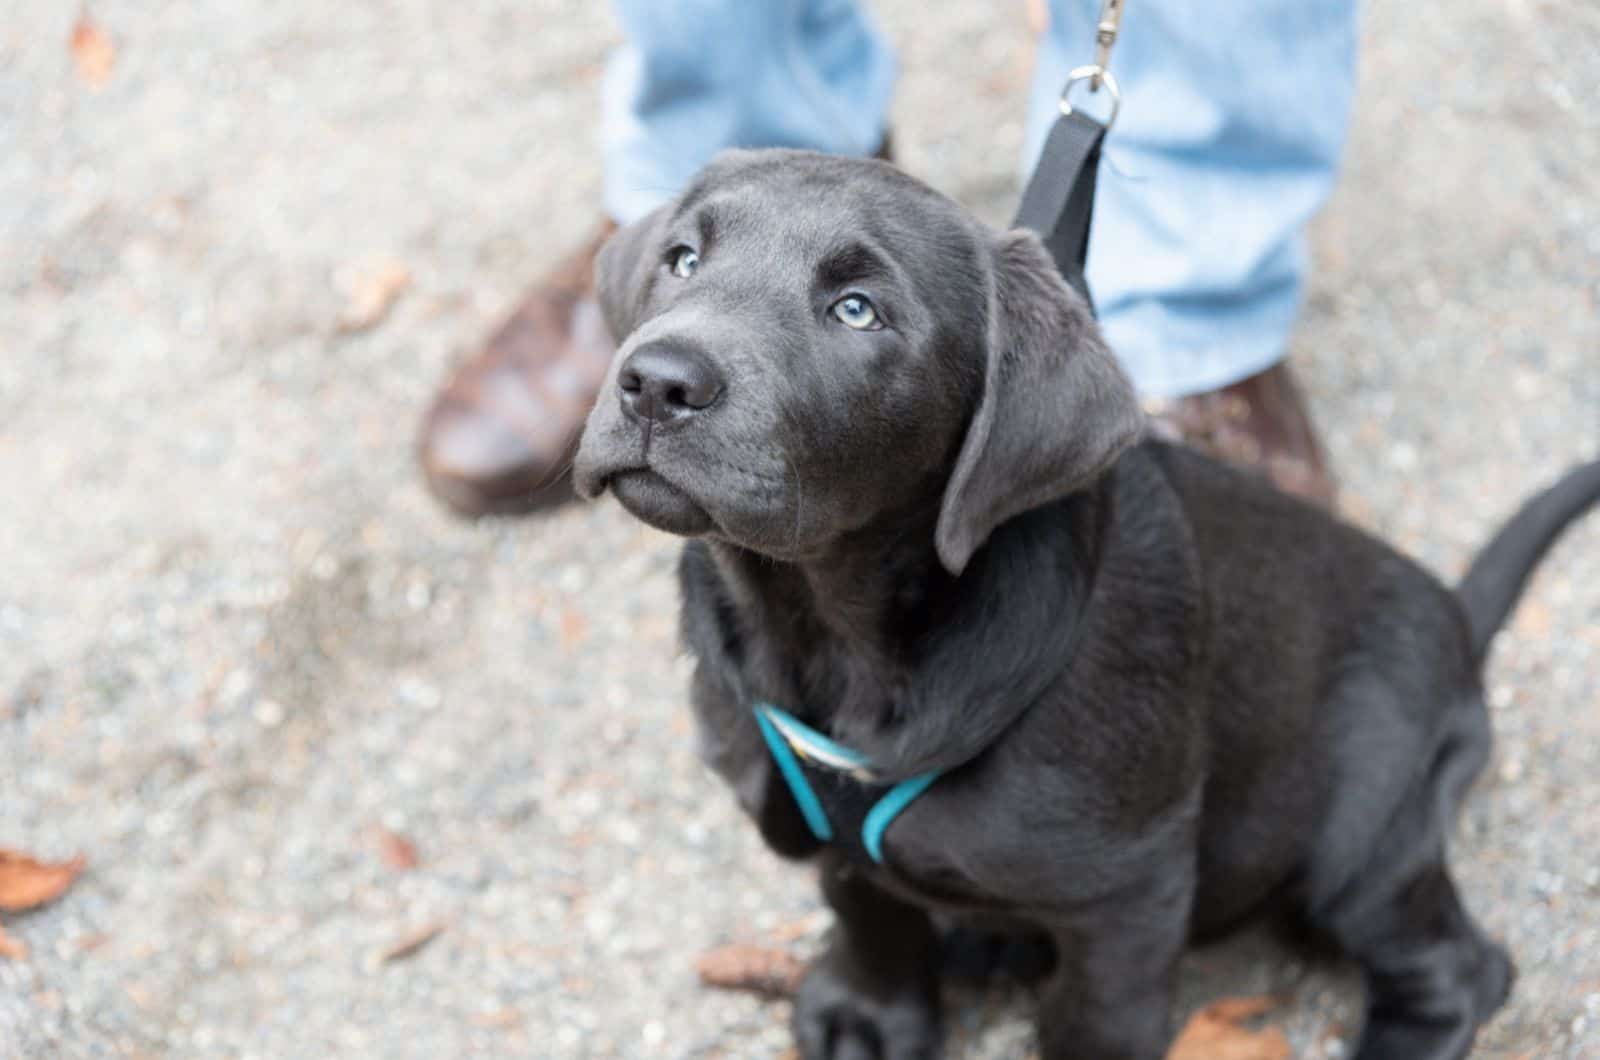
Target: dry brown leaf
{"points": [[370, 290], [14, 949], [26, 882], [762, 970], [398, 852], [93, 53], [410, 943], [1219, 1032]]}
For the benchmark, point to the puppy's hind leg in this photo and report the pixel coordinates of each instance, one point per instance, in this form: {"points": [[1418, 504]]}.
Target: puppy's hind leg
{"points": [[1432, 976]]}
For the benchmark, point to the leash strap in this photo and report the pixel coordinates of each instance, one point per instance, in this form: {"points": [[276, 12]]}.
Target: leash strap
{"points": [[1058, 202]]}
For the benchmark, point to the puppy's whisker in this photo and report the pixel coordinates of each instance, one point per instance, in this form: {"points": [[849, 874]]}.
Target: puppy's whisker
{"points": [[570, 445], [555, 476], [1111, 160]]}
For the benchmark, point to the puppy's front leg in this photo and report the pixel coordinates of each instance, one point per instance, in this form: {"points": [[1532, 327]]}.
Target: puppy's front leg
{"points": [[875, 992], [1111, 996]]}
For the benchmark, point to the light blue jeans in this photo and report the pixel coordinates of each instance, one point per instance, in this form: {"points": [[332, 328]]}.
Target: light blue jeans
{"points": [[1229, 138]]}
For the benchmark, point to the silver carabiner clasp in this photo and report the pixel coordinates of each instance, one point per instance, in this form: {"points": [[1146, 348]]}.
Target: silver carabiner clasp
{"points": [[1094, 74]]}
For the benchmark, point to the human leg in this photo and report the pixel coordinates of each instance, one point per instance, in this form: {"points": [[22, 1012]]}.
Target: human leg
{"points": [[1228, 141]]}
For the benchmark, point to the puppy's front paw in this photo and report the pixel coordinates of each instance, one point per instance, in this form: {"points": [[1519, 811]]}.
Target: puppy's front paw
{"points": [[840, 1013]]}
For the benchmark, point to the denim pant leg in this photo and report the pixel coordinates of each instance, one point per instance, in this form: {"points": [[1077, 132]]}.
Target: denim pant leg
{"points": [[1232, 124], [696, 76]]}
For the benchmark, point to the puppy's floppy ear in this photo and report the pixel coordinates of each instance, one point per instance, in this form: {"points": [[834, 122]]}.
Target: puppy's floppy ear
{"points": [[1056, 408], [627, 267]]}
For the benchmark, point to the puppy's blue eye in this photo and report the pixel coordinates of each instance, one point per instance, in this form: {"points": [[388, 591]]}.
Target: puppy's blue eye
{"points": [[856, 312], [684, 262]]}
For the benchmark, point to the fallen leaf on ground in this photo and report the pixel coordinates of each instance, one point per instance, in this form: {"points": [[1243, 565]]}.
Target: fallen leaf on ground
{"points": [[93, 54], [762, 970], [26, 882], [1220, 1032], [410, 943], [398, 852], [15, 949], [370, 290]]}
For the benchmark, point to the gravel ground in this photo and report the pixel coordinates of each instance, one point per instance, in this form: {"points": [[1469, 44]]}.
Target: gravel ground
{"points": [[238, 642]]}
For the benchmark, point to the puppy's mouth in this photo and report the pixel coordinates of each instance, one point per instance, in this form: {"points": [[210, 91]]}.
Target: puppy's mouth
{"points": [[657, 502]]}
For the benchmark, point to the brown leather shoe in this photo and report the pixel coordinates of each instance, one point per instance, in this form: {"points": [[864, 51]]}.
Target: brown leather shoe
{"points": [[500, 436], [1260, 422]]}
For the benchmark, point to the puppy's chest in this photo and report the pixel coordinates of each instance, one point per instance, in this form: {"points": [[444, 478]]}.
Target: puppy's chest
{"points": [[979, 842], [989, 835], [985, 837]]}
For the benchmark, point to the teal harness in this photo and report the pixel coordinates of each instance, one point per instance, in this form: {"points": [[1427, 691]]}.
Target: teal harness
{"points": [[823, 774]]}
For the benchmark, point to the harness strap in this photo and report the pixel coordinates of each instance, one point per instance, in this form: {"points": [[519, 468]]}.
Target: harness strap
{"points": [[819, 771], [1058, 202], [810, 806]]}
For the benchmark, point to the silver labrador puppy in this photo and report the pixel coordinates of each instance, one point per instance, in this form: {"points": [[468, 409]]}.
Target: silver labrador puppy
{"points": [[993, 659]]}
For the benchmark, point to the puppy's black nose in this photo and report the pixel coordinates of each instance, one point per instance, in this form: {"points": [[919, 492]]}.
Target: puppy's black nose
{"points": [[664, 381]]}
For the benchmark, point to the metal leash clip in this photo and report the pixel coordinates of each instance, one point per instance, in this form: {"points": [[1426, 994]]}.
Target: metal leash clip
{"points": [[1098, 72]]}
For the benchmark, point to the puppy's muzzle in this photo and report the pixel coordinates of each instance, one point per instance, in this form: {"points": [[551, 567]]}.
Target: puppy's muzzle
{"points": [[666, 381]]}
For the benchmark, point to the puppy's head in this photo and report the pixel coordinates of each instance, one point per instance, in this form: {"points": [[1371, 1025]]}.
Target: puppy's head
{"points": [[811, 346]]}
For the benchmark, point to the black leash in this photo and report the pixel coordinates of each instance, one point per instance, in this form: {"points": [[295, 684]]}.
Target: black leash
{"points": [[1058, 202]]}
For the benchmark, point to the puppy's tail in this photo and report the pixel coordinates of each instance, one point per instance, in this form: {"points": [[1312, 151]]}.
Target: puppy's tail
{"points": [[1496, 578]]}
